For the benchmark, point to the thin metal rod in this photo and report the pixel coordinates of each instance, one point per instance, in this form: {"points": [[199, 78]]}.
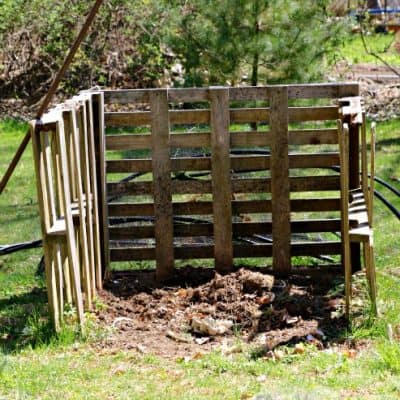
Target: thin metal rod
{"points": [[53, 88]]}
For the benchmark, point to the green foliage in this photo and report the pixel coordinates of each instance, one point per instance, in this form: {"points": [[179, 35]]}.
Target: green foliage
{"points": [[138, 44], [122, 49], [253, 41]]}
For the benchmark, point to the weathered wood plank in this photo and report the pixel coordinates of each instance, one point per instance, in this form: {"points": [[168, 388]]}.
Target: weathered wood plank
{"points": [[77, 150], [237, 163], [238, 139], [280, 182], [100, 158], [162, 190], [91, 123], [238, 207], [221, 179], [307, 91], [43, 201], [239, 116], [344, 184], [297, 184], [73, 261], [239, 251], [82, 118], [238, 229], [323, 91]]}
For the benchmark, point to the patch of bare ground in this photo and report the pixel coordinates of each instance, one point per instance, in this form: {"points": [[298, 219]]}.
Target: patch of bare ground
{"points": [[199, 311]]}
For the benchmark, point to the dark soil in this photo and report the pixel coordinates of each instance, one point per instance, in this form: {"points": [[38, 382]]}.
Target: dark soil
{"points": [[254, 306]]}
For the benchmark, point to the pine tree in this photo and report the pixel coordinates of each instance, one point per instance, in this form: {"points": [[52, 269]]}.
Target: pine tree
{"points": [[251, 41]]}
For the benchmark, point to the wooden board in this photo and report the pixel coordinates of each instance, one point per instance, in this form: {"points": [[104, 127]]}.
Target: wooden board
{"points": [[238, 139], [221, 180], [238, 207], [280, 182], [239, 116], [238, 229], [297, 184], [162, 190], [239, 251], [307, 91], [237, 163]]}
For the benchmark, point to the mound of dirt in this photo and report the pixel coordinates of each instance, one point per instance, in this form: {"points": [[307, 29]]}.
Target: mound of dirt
{"points": [[206, 308]]}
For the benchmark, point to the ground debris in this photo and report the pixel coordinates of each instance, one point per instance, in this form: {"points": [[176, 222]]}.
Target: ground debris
{"points": [[202, 308]]}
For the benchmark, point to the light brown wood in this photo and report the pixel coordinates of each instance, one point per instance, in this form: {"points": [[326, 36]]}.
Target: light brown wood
{"points": [[82, 116], [344, 182], [83, 236], [221, 180], [70, 236], [162, 190], [308, 91], [44, 220], [280, 182], [238, 229], [239, 251], [238, 139], [237, 163], [101, 179], [94, 192], [371, 190], [238, 207], [66, 274], [239, 116], [260, 185]]}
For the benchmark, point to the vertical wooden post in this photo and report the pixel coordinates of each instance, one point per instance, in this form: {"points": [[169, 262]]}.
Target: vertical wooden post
{"points": [[354, 182], [221, 179], [344, 193], [162, 190], [76, 133], [39, 162], [95, 200], [70, 235], [280, 184], [87, 190], [101, 181]]}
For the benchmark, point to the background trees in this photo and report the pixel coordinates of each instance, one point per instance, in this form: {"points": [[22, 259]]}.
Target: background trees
{"points": [[141, 43], [252, 41]]}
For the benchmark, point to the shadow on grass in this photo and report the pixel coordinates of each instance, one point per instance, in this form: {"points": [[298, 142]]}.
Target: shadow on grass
{"points": [[24, 321]]}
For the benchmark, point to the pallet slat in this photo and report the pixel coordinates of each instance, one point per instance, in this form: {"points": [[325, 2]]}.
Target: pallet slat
{"points": [[239, 251], [239, 116], [237, 163], [280, 181], [238, 139], [238, 229], [309, 91], [221, 180], [297, 184], [238, 207], [162, 191]]}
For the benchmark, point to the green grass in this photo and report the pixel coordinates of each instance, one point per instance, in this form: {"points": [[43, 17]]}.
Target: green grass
{"points": [[354, 52], [34, 363]]}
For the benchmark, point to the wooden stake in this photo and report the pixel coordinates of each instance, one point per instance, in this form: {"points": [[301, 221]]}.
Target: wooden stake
{"points": [[280, 186], [221, 179], [164, 230]]}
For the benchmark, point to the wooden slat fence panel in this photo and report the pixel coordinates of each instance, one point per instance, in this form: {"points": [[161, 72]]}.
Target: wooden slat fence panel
{"points": [[64, 148], [282, 166]]}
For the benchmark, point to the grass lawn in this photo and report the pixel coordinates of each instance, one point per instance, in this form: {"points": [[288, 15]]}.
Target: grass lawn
{"points": [[35, 364], [382, 44]]}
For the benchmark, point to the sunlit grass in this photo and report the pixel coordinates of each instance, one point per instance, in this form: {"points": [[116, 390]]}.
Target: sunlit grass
{"points": [[353, 50]]}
